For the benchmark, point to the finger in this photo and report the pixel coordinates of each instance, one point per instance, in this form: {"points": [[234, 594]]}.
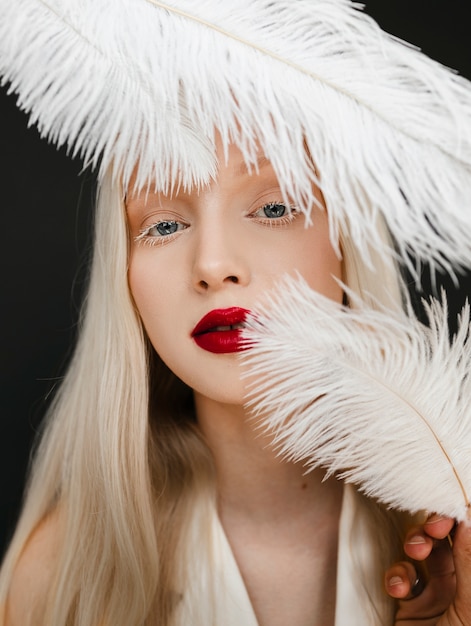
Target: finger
{"points": [[418, 544], [400, 580], [419, 541], [438, 527], [429, 596]]}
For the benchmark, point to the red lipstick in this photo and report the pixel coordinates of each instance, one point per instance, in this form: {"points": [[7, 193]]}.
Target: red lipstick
{"points": [[219, 330]]}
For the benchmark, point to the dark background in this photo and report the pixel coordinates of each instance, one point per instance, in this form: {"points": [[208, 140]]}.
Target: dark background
{"points": [[46, 202]]}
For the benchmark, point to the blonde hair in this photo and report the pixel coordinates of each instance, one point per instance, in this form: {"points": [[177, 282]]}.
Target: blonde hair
{"points": [[378, 284], [122, 461]]}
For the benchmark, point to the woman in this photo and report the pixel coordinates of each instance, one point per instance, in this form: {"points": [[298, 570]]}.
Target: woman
{"points": [[153, 499], [192, 255]]}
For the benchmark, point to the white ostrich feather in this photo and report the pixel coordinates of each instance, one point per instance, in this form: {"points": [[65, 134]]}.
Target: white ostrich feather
{"points": [[380, 400], [141, 81]]}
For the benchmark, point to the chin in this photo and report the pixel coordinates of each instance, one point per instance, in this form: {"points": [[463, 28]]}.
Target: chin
{"points": [[220, 392]]}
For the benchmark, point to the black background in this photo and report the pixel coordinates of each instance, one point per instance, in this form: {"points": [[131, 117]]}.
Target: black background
{"points": [[45, 242]]}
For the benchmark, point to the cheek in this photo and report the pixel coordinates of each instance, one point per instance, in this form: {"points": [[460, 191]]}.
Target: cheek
{"points": [[317, 262], [138, 280], [146, 286], [158, 302]]}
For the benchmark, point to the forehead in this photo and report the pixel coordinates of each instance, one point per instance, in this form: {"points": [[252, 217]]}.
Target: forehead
{"points": [[225, 159], [230, 163]]}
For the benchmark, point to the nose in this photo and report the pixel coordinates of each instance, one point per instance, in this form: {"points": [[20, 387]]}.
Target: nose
{"points": [[220, 259]]}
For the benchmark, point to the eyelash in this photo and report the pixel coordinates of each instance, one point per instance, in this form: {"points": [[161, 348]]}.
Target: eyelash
{"points": [[273, 222], [145, 238]]}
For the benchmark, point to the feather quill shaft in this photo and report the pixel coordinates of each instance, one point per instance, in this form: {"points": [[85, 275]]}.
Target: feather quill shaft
{"points": [[286, 61], [378, 399], [251, 44]]}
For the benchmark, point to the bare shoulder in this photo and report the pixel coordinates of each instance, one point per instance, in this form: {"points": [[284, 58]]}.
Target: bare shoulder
{"points": [[33, 574]]}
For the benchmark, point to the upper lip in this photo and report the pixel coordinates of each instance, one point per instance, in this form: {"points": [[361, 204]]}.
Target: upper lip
{"points": [[220, 317]]}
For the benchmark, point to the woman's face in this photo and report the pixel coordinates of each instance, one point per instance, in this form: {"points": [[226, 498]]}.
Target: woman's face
{"points": [[199, 260]]}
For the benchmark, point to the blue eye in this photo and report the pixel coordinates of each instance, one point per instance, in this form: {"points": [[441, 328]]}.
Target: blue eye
{"points": [[277, 212], [160, 231], [274, 209], [165, 228]]}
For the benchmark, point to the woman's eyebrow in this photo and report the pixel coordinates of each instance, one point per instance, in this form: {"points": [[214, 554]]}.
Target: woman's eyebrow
{"points": [[252, 168]]}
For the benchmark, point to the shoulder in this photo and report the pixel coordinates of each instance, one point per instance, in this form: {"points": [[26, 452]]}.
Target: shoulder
{"points": [[33, 574]]}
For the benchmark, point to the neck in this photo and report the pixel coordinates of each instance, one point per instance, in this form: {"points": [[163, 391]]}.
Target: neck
{"points": [[253, 481], [281, 523]]}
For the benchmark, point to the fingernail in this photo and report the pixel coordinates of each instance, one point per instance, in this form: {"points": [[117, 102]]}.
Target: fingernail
{"points": [[416, 540], [434, 519], [394, 581]]}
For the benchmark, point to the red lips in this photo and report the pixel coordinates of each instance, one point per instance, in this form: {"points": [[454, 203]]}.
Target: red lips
{"points": [[219, 330]]}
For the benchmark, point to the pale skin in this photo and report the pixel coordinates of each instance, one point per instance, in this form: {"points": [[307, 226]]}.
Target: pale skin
{"points": [[281, 524], [227, 253]]}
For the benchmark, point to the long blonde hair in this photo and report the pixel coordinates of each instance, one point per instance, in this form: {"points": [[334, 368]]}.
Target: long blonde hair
{"points": [[121, 459]]}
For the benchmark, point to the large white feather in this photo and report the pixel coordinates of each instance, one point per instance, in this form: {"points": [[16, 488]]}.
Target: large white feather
{"points": [[127, 81], [381, 400]]}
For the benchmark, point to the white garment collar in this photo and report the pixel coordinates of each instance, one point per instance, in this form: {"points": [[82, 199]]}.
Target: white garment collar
{"points": [[355, 561]]}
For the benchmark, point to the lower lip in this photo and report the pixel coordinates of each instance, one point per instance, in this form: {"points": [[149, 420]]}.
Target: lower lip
{"points": [[220, 341]]}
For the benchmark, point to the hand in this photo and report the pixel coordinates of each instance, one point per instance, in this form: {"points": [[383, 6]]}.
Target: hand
{"points": [[435, 590]]}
